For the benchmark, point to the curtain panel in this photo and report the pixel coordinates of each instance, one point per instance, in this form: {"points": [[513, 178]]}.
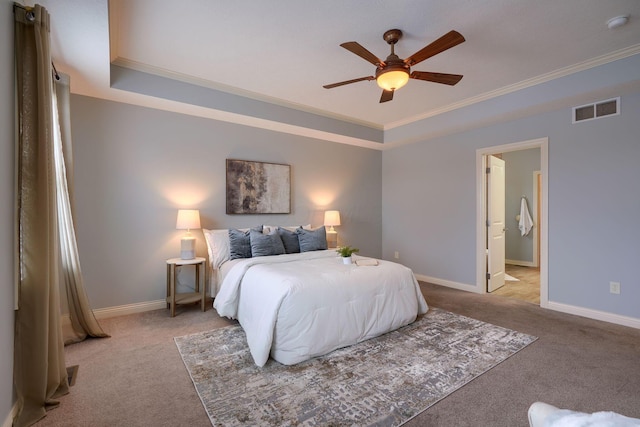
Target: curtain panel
{"points": [[39, 367], [83, 321], [47, 252]]}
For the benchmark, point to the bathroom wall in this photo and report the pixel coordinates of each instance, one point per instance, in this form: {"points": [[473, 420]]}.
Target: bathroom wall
{"points": [[519, 179]]}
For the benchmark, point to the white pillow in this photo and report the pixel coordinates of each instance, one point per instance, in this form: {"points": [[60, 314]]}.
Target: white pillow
{"points": [[217, 246], [267, 229]]}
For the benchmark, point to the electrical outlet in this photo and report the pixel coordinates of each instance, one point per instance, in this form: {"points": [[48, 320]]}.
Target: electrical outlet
{"points": [[396, 255], [614, 287]]}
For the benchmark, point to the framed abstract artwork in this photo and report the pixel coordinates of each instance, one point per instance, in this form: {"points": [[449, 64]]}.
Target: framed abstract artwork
{"points": [[258, 187]]}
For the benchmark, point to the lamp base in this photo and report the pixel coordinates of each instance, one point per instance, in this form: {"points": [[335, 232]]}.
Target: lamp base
{"points": [[332, 239], [188, 247]]}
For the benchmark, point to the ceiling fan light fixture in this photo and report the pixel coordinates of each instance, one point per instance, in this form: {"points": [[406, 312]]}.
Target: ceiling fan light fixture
{"points": [[393, 79], [394, 72]]}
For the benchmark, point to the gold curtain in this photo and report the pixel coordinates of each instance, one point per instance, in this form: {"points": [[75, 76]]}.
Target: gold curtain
{"points": [[39, 367], [83, 321]]}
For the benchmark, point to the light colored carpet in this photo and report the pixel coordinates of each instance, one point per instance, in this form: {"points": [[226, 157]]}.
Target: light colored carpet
{"points": [[510, 278], [384, 381]]}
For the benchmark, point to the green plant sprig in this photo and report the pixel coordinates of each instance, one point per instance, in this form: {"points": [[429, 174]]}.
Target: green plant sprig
{"points": [[347, 251]]}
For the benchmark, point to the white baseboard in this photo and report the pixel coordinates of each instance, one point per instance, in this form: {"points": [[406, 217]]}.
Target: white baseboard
{"points": [[103, 313], [447, 283], [8, 422], [521, 263], [120, 310], [631, 322], [617, 319]]}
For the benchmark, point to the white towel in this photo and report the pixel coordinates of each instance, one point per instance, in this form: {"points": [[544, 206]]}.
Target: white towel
{"points": [[526, 223], [367, 261]]}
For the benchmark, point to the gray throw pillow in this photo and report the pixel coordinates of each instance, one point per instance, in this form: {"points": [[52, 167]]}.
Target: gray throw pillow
{"points": [[312, 240], [265, 244], [289, 240], [240, 243]]}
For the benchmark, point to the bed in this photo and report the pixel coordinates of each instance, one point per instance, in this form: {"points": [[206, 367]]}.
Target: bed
{"points": [[297, 306]]}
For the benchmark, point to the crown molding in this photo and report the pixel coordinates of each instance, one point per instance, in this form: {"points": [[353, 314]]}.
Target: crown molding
{"points": [[562, 72], [161, 72], [582, 66]]}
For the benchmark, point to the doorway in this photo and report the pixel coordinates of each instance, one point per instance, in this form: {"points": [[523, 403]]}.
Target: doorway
{"points": [[520, 200], [537, 206]]}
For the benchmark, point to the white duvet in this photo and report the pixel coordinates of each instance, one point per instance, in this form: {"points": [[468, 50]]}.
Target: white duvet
{"points": [[298, 306]]}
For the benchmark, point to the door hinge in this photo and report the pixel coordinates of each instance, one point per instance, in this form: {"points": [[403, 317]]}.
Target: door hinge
{"points": [[488, 223], [488, 170], [488, 276]]}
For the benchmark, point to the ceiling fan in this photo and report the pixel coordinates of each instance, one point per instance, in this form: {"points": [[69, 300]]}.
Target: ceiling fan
{"points": [[393, 72]]}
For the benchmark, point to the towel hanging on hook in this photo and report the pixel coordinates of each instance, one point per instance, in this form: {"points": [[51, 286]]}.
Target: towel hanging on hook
{"points": [[526, 223]]}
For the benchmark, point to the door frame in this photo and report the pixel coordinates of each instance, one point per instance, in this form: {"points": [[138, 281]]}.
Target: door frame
{"points": [[537, 192], [481, 206]]}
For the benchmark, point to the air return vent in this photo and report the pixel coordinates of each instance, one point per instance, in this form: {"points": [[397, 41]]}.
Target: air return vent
{"points": [[610, 107]]}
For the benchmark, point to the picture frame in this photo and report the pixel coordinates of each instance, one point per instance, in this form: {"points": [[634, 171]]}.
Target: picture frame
{"points": [[257, 187]]}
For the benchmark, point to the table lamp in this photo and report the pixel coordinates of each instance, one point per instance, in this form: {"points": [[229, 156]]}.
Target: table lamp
{"points": [[188, 219]]}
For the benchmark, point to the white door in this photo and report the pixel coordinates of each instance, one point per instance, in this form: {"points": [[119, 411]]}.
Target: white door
{"points": [[495, 223]]}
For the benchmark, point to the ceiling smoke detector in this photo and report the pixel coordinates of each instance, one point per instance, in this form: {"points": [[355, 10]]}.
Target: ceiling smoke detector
{"points": [[618, 21]]}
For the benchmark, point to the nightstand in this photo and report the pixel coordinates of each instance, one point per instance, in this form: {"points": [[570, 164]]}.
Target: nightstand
{"points": [[190, 297]]}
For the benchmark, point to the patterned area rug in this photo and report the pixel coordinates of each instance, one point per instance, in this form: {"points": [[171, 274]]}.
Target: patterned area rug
{"points": [[384, 381]]}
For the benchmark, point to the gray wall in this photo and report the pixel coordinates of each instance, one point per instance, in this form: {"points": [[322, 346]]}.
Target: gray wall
{"points": [[6, 208], [429, 204], [135, 167], [519, 168]]}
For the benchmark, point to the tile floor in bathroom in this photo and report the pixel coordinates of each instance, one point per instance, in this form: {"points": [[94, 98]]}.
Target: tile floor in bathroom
{"points": [[526, 289]]}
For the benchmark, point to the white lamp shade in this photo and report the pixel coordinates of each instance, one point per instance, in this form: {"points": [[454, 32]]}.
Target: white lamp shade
{"points": [[332, 218], [188, 219]]}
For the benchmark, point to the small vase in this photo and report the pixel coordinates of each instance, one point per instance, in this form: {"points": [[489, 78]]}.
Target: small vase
{"points": [[346, 260]]}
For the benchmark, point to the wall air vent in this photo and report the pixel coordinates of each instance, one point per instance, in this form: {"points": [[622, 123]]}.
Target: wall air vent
{"points": [[610, 107]]}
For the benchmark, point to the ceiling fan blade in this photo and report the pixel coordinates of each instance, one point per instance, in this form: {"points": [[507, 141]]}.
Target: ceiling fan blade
{"points": [[449, 40], [387, 95], [358, 49], [346, 82], [447, 79]]}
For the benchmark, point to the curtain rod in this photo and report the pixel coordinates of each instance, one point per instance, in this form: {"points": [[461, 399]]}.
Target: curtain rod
{"points": [[55, 72], [29, 15], [31, 18], [21, 6]]}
